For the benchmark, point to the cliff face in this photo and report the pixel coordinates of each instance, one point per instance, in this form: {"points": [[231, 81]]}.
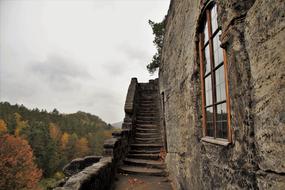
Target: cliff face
{"points": [[253, 34]]}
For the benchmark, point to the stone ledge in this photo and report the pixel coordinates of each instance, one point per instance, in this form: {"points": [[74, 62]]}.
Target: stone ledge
{"points": [[111, 143], [216, 141], [79, 164], [86, 179]]}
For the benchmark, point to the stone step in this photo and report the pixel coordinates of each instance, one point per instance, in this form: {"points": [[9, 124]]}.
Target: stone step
{"points": [[148, 118], [147, 114], [148, 97], [143, 105], [148, 108], [144, 128], [147, 126], [144, 156], [148, 129], [147, 101], [147, 135], [145, 163], [146, 146], [148, 93], [144, 151], [141, 171], [148, 140], [146, 122]]}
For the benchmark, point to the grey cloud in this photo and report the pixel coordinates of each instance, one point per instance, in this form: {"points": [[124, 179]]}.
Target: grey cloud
{"points": [[133, 53], [115, 68], [60, 72], [113, 52], [56, 67]]}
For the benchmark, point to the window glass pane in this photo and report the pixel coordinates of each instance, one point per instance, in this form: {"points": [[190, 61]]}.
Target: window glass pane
{"points": [[207, 60], [221, 124], [208, 90], [218, 51], [220, 84], [209, 122], [206, 37], [214, 18]]}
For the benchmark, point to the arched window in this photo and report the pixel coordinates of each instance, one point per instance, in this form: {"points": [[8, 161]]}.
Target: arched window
{"points": [[213, 68]]}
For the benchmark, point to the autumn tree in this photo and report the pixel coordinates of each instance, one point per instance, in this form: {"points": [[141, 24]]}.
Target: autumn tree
{"points": [[64, 140], [82, 147], [70, 147], [3, 127], [21, 124], [55, 138], [54, 132], [18, 170]]}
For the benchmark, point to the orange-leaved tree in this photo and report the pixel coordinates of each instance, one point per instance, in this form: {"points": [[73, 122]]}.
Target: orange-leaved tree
{"points": [[54, 132], [82, 147], [3, 127], [64, 140], [18, 170]]}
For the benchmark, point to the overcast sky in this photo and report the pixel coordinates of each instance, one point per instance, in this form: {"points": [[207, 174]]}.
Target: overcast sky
{"points": [[75, 54]]}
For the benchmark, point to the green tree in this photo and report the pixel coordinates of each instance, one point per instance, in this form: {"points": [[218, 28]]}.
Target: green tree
{"points": [[55, 111], [158, 29]]}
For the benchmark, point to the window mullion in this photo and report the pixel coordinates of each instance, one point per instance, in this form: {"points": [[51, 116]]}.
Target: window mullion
{"points": [[212, 70]]}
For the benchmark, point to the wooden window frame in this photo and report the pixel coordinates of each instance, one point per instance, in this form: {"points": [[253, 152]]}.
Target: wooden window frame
{"points": [[207, 19]]}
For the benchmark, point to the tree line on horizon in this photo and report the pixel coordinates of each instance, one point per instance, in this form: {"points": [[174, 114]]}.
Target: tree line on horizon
{"points": [[48, 140]]}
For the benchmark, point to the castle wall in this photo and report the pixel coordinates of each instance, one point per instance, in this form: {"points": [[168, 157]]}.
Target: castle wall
{"points": [[254, 38]]}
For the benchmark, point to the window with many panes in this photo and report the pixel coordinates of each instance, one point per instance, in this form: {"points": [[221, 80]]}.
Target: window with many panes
{"points": [[215, 101]]}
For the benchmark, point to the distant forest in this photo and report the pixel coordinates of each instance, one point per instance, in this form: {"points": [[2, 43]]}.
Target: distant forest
{"points": [[55, 138]]}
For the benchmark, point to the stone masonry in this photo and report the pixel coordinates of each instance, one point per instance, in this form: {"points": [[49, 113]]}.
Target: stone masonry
{"points": [[253, 34], [135, 152]]}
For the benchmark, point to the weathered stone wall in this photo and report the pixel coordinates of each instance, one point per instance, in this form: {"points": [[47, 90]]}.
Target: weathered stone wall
{"points": [[265, 44], [254, 38]]}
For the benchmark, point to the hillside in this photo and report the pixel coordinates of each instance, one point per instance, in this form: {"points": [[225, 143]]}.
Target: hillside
{"points": [[117, 125], [55, 138]]}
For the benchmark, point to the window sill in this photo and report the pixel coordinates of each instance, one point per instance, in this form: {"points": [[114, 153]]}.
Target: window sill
{"points": [[217, 141]]}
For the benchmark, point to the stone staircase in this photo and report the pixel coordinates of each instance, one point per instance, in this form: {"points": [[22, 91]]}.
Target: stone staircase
{"points": [[134, 152], [144, 157]]}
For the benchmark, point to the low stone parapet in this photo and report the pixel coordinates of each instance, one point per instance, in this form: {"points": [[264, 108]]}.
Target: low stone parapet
{"points": [[79, 164], [96, 176]]}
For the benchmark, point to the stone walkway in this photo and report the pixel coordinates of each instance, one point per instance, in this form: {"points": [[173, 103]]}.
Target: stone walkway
{"points": [[138, 182]]}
